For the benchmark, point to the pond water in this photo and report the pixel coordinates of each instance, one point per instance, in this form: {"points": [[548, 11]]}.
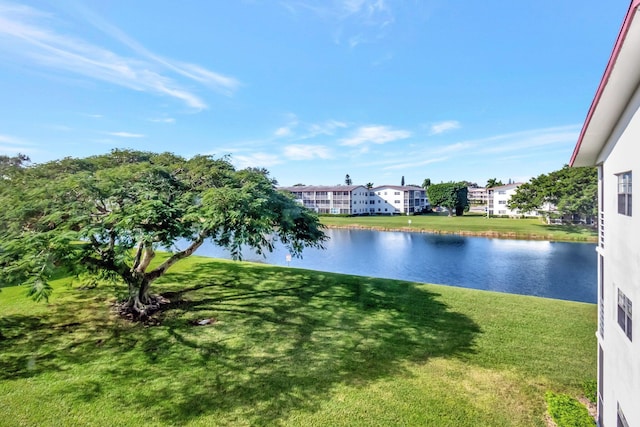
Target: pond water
{"points": [[547, 269]]}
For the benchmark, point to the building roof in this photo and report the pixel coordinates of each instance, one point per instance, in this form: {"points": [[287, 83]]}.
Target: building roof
{"points": [[506, 186], [398, 187], [322, 188], [619, 82]]}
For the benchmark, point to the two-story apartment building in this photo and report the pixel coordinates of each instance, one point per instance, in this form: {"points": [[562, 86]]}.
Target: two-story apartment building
{"points": [[358, 200], [609, 140]]}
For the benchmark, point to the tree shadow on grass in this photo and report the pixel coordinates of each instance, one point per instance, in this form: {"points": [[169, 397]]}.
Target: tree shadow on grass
{"points": [[282, 340]]}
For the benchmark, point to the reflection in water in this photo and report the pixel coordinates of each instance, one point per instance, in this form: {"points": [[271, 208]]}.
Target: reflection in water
{"points": [[548, 269]]}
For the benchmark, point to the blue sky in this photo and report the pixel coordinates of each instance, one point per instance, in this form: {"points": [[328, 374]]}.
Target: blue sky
{"points": [[310, 90]]}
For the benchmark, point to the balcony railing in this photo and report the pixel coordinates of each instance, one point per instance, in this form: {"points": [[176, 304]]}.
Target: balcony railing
{"points": [[601, 230]]}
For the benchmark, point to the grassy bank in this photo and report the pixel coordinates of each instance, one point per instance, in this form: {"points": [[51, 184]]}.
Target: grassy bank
{"points": [[291, 347], [468, 224]]}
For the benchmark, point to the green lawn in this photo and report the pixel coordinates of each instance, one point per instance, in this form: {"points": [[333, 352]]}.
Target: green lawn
{"points": [[290, 347], [468, 224]]}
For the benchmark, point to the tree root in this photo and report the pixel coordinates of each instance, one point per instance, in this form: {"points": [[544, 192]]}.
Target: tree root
{"points": [[137, 311]]}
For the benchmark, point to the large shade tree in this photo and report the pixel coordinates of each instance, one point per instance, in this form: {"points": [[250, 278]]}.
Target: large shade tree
{"points": [[105, 217], [573, 192], [450, 195]]}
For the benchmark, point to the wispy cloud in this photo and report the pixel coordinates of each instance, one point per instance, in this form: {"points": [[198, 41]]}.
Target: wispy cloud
{"points": [[302, 130], [283, 131], [259, 160], [438, 128], [326, 128], [13, 145], [306, 152], [288, 128], [126, 134], [375, 134], [410, 165], [453, 148], [530, 139], [28, 34], [372, 12], [60, 128], [169, 120], [496, 149], [355, 21]]}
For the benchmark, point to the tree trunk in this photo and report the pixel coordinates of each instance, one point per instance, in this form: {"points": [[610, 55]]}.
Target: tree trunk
{"points": [[140, 304]]}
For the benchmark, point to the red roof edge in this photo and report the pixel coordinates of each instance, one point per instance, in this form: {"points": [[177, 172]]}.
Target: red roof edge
{"points": [[607, 73]]}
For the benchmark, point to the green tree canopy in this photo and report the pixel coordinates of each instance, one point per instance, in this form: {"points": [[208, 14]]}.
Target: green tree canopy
{"points": [[573, 191], [104, 216], [493, 182], [449, 195]]}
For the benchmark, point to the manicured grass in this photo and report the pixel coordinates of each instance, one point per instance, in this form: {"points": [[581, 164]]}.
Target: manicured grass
{"points": [[291, 347], [468, 224]]}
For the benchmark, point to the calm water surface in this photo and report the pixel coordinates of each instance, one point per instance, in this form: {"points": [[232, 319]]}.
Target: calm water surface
{"points": [[547, 269]]}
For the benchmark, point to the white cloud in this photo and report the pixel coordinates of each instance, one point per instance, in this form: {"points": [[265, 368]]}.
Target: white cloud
{"points": [[327, 128], [356, 21], [438, 128], [453, 148], [260, 160], [283, 131], [305, 130], [60, 128], [126, 134], [306, 152], [375, 134], [410, 165], [26, 33], [169, 120], [12, 145], [530, 139], [287, 129]]}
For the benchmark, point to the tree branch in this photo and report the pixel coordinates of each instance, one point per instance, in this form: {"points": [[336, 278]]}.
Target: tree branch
{"points": [[147, 255], [162, 268], [136, 260]]}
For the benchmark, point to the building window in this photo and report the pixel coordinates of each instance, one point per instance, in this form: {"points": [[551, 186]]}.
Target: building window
{"points": [[624, 193], [502, 202], [625, 314], [396, 201]]}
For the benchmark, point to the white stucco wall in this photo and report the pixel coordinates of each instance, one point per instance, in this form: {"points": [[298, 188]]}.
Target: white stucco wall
{"points": [[360, 200], [621, 256], [385, 201]]}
